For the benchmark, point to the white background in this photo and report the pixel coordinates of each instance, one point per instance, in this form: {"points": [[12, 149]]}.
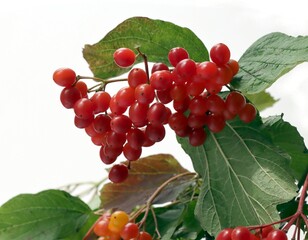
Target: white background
{"points": [[40, 148]]}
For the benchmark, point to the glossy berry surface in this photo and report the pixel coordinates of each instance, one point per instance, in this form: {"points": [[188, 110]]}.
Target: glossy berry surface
{"points": [[64, 77], [124, 57]]}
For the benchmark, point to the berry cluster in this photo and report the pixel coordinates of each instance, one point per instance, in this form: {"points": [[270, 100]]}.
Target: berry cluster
{"points": [[185, 97], [243, 233], [116, 226]]}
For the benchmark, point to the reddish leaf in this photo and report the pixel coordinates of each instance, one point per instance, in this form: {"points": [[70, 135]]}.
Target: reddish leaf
{"points": [[145, 176]]}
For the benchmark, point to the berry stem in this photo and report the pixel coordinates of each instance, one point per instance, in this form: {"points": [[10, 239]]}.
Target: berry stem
{"points": [[299, 213], [103, 84], [145, 60]]}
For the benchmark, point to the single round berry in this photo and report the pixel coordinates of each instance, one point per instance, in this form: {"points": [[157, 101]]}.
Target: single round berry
{"points": [[118, 173], [240, 233], [155, 132], [177, 54], [215, 123], [136, 77], [144, 93], [118, 220], [197, 137], [69, 96], [157, 113], [64, 77], [248, 113], [161, 80], [101, 123], [135, 138], [224, 234], [120, 124], [178, 121], [130, 231], [83, 88], [130, 153], [186, 68], [124, 57], [206, 70], [138, 114], [84, 108], [235, 102], [235, 67], [125, 96], [144, 236], [83, 123], [101, 228], [220, 54], [101, 101], [277, 234]]}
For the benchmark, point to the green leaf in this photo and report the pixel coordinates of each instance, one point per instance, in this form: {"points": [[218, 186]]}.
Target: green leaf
{"points": [[48, 215], [145, 176], [261, 100], [286, 136], [244, 177], [269, 58], [154, 38]]}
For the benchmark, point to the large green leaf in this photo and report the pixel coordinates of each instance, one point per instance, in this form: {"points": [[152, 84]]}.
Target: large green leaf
{"points": [[154, 37], [269, 58], [288, 138], [48, 215], [244, 177]]}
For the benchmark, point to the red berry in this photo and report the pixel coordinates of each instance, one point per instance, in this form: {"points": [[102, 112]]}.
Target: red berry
{"points": [[197, 137], [215, 123], [130, 153], [277, 234], [144, 93], [124, 57], [186, 68], [120, 124], [220, 54], [240, 233], [177, 54], [159, 67], [157, 113], [161, 80], [84, 108], [83, 88], [235, 67], [101, 101], [101, 123], [118, 173], [136, 77], [235, 102], [248, 113], [155, 132], [125, 96], [65, 77], [144, 236], [138, 114], [69, 96], [224, 234], [83, 123], [206, 70], [130, 231]]}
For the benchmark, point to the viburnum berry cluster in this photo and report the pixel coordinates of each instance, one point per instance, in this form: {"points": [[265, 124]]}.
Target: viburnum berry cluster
{"points": [[117, 226], [186, 95], [244, 233]]}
